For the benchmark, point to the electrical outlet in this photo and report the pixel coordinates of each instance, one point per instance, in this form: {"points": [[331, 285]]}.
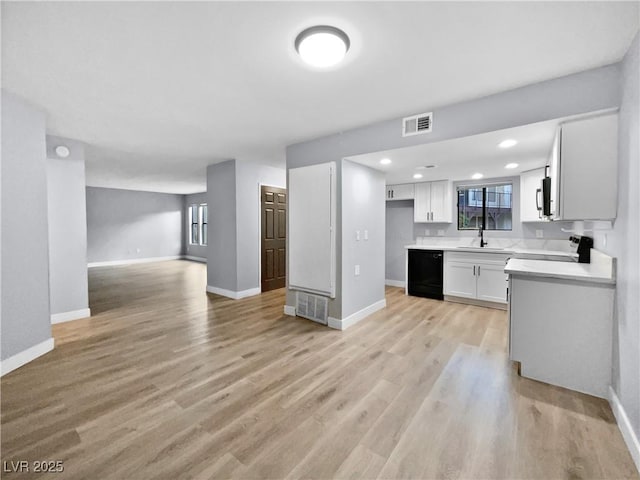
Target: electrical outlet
{"points": [[357, 235], [427, 232], [357, 270], [441, 233], [539, 233], [137, 250], [366, 234]]}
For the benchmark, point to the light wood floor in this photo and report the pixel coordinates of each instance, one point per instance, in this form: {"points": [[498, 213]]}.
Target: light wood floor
{"points": [[168, 382]]}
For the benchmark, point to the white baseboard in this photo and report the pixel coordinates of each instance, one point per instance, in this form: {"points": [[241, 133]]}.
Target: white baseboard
{"points": [[289, 310], [630, 437], [235, 295], [195, 259], [395, 283], [132, 261], [356, 317], [72, 315], [10, 364]]}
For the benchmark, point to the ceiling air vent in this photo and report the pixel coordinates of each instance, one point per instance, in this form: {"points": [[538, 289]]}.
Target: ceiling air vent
{"points": [[417, 124]]}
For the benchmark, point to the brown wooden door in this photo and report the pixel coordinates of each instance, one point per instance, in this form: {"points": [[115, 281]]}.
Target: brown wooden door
{"points": [[274, 237]]}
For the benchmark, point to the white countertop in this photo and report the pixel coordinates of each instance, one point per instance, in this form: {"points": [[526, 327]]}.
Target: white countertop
{"points": [[600, 270], [507, 250]]}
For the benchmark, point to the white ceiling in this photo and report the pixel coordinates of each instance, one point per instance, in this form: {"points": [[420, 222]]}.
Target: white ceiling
{"points": [[460, 158], [161, 89]]}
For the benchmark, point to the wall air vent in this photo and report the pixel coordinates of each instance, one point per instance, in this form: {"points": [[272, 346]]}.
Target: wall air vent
{"points": [[313, 307], [417, 124]]}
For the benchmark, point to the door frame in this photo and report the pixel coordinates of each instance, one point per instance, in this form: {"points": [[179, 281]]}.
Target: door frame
{"points": [[260, 185]]}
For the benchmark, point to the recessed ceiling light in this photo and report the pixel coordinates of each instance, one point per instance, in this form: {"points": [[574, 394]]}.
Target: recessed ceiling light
{"points": [[385, 161], [511, 165], [62, 151], [322, 46], [477, 176], [417, 175], [507, 143]]}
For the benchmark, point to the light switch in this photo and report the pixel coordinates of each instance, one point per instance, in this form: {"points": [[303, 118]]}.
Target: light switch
{"points": [[357, 235], [366, 234], [357, 270]]}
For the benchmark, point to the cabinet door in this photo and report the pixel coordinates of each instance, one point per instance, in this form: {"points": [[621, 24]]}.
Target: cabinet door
{"points": [[422, 203], [554, 173], [492, 283], [389, 192], [401, 192], [441, 202], [530, 198], [588, 168], [460, 279]]}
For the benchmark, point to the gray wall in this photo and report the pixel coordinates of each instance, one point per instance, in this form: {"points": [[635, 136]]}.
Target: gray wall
{"points": [[25, 249], [249, 177], [222, 247], [67, 227], [363, 208], [128, 224], [193, 250], [399, 231], [233, 260], [578, 93], [622, 242]]}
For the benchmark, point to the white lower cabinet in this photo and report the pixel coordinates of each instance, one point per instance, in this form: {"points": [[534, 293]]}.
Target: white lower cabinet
{"points": [[478, 276], [492, 283], [560, 332], [460, 279]]}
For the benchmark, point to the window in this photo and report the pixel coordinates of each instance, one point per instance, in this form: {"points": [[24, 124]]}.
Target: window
{"points": [[486, 206], [198, 224], [203, 224], [194, 223]]}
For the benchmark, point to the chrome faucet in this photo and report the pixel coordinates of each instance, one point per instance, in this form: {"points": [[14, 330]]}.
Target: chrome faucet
{"points": [[481, 235]]}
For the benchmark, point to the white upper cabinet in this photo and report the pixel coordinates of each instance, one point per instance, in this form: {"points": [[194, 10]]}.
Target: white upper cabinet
{"points": [[531, 195], [433, 202], [589, 168], [400, 192]]}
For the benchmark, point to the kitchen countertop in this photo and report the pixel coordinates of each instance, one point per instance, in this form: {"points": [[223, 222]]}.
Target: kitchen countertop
{"points": [[600, 270], [567, 256]]}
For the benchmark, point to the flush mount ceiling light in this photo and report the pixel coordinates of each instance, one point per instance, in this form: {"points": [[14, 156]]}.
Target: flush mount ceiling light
{"points": [[62, 151], [417, 175], [511, 165], [477, 176], [385, 161], [507, 143], [322, 46]]}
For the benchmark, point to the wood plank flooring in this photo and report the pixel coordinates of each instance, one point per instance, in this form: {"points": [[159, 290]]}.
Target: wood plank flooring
{"points": [[167, 382]]}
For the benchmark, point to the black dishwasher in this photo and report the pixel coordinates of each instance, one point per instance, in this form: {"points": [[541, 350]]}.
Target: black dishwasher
{"points": [[425, 273]]}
